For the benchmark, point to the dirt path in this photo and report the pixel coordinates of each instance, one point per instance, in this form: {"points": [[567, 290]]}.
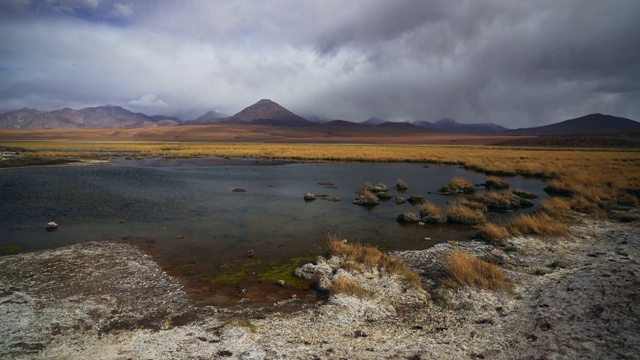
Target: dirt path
{"points": [[111, 301]]}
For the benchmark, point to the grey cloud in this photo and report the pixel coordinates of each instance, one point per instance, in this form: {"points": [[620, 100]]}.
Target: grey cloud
{"points": [[513, 62]]}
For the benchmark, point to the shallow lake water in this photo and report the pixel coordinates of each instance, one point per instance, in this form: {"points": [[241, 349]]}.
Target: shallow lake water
{"points": [[187, 215]]}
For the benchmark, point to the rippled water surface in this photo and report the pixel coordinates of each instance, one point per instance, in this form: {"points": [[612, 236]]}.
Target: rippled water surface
{"points": [[188, 216]]}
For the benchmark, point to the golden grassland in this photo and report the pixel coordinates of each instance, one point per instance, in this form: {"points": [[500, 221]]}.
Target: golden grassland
{"points": [[596, 176]]}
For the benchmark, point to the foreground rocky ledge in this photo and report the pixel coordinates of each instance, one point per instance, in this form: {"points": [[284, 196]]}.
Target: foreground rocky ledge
{"points": [[106, 300]]}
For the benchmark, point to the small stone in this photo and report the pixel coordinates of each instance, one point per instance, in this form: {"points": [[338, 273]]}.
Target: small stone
{"points": [[51, 226], [238, 190], [180, 237], [251, 253], [280, 283], [309, 197]]}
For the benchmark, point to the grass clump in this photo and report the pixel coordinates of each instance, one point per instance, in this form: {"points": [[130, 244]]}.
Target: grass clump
{"points": [[557, 264], [464, 269], [460, 214], [430, 213], [458, 185], [524, 194], [371, 257], [496, 183], [536, 224], [493, 233], [626, 216], [401, 185], [343, 285]]}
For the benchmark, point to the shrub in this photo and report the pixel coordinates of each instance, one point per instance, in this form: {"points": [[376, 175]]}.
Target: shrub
{"points": [[495, 183], [459, 214], [464, 269], [371, 257], [536, 224]]}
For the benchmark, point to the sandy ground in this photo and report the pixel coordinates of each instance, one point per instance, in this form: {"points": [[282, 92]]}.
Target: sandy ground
{"points": [[111, 301]]}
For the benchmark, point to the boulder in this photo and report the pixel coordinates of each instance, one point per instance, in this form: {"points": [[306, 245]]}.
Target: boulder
{"points": [[497, 256], [365, 200], [416, 200], [408, 218]]}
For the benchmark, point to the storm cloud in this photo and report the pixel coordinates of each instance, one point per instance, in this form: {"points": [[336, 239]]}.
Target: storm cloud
{"points": [[515, 63]]}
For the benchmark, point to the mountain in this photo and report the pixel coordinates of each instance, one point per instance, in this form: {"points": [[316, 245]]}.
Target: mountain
{"points": [[588, 124], [399, 127], [374, 121], [452, 126], [267, 112], [425, 124], [210, 115], [92, 117]]}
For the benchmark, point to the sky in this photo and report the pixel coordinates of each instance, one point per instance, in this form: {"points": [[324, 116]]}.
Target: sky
{"points": [[513, 63]]}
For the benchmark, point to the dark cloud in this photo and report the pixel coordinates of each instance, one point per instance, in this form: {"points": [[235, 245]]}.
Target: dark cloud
{"points": [[516, 63]]}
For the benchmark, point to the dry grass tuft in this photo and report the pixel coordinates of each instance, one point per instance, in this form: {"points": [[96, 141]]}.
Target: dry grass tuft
{"points": [[342, 285], [464, 269], [558, 208], [493, 233], [537, 224], [371, 257], [496, 183], [459, 185], [460, 214], [429, 209]]}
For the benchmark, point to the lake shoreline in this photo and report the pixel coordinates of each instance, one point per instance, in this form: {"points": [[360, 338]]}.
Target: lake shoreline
{"points": [[111, 300]]}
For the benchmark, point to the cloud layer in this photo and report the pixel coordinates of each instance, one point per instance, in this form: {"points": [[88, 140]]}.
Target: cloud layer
{"points": [[515, 63]]}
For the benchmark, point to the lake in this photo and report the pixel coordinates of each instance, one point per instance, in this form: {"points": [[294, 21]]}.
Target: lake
{"points": [[186, 214]]}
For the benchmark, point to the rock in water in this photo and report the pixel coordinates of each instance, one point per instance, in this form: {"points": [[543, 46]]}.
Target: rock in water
{"points": [[51, 226]]}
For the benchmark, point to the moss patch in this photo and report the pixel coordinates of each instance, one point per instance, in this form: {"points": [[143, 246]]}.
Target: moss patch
{"points": [[10, 249], [229, 276], [285, 272]]}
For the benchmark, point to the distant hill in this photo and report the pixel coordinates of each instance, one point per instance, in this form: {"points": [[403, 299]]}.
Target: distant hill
{"points": [[588, 124], [400, 127], [451, 126], [208, 116], [92, 117], [267, 112], [374, 121]]}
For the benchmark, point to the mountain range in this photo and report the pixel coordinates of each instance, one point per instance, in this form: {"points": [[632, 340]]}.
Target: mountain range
{"points": [[269, 113]]}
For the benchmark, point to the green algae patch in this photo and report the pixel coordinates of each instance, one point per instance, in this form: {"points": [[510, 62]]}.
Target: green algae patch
{"points": [[286, 273], [232, 272], [10, 249]]}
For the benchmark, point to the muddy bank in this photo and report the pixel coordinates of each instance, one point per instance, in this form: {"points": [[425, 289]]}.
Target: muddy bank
{"points": [[110, 300]]}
